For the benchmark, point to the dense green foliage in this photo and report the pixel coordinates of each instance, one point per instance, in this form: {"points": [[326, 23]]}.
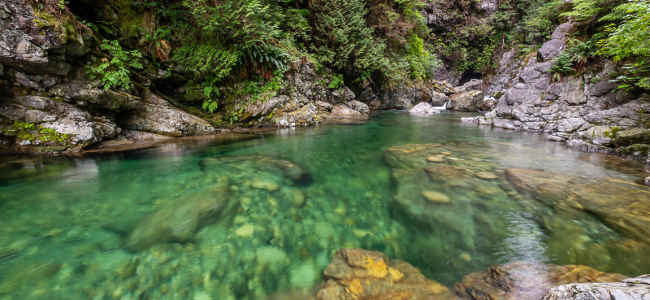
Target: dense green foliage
{"points": [[114, 72], [631, 40], [234, 49], [574, 58]]}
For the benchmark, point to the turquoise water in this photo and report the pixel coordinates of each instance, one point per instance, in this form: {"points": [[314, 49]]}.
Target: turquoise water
{"points": [[273, 207]]}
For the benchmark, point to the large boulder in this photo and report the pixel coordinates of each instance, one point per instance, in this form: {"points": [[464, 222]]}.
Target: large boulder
{"points": [[280, 167], [525, 280], [344, 111], [423, 108], [358, 106], [467, 101], [368, 275], [156, 115], [621, 205], [488, 104]]}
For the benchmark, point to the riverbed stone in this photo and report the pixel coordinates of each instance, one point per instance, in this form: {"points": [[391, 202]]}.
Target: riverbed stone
{"points": [[525, 280], [298, 198], [486, 175], [366, 275], [435, 197]]}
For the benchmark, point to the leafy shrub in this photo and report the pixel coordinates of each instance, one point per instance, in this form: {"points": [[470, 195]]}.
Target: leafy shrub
{"points": [[574, 57], [115, 72], [337, 80], [629, 40]]}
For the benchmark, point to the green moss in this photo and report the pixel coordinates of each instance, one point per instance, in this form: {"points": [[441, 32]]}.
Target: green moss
{"points": [[636, 149], [612, 132], [33, 132]]}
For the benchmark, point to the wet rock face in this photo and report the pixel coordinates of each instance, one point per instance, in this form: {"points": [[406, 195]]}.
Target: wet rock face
{"points": [[622, 206], [305, 102], [361, 274], [630, 289], [524, 280]]}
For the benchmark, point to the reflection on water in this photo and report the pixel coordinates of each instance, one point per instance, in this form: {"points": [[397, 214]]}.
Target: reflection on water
{"points": [[524, 241], [241, 216]]}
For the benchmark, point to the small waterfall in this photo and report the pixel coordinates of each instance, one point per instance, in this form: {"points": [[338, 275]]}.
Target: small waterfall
{"points": [[444, 106]]}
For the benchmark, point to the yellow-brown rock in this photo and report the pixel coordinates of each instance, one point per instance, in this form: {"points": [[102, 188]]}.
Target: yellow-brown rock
{"points": [[361, 274]]}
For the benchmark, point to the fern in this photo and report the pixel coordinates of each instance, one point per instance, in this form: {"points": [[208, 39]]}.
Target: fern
{"points": [[114, 72]]}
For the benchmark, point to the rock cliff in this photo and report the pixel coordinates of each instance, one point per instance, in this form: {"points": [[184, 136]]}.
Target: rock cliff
{"points": [[586, 111]]}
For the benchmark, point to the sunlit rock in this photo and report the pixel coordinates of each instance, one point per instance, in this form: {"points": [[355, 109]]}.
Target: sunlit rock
{"points": [[365, 275], [630, 289]]}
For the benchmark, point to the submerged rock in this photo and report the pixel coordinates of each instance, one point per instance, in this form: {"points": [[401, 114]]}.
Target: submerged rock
{"points": [[361, 274], [621, 205], [525, 280], [630, 289], [180, 222], [444, 201], [237, 163]]}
